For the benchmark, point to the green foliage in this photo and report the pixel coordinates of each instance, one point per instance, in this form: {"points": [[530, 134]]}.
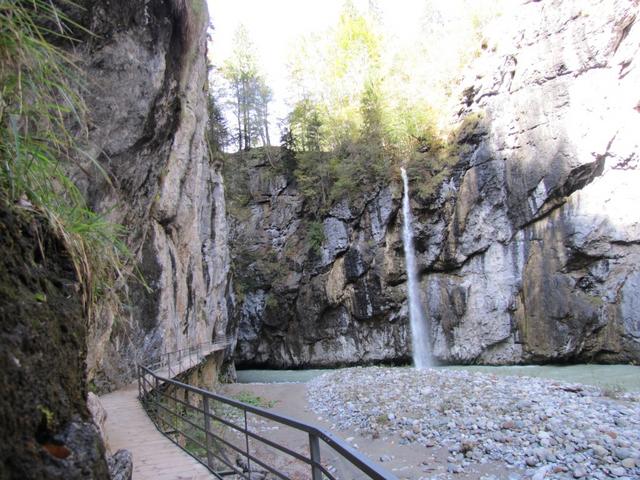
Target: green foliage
{"points": [[305, 124], [252, 399], [48, 418], [382, 419], [41, 120], [93, 388], [270, 268], [217, 129], [288, 160], [367, 100], [236, 177], [428, 170], [313, 175], [359, 160], [315, 236], [271, 301], [247, 94], [40, 297]]}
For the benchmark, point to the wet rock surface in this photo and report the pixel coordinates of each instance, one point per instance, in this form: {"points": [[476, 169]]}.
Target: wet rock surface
{"points": [[537, 428]]}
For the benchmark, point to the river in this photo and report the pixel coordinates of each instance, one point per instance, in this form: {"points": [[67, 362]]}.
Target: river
{"points": [[617, 377]]}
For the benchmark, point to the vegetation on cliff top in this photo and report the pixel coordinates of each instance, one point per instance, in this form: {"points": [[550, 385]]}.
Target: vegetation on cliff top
{"points": [[364, 99]]}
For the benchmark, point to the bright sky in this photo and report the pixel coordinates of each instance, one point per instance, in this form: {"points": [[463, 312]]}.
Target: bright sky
{"points": [[275, 25]]}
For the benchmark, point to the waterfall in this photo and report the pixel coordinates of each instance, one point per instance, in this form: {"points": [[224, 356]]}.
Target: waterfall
{"points": [[419, 331]]}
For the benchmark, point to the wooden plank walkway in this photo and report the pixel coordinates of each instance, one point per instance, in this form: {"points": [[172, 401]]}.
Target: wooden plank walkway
{"points": [[155, 457]]}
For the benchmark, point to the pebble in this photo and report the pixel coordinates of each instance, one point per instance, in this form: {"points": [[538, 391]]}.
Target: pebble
{"points": [[579, 472], [622, 453], [518, 422], [541, 473], [618, 471], [599, 450]]}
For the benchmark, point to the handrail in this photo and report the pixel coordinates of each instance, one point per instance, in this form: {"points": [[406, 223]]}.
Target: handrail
{"points": [[188, 357], [153, 391]]}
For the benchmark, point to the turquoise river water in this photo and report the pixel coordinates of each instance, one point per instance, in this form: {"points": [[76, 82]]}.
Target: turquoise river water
{"points": [[619, 377]]}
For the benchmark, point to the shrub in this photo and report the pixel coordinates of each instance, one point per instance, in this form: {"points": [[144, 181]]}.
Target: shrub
{"points": [[315, 236]]}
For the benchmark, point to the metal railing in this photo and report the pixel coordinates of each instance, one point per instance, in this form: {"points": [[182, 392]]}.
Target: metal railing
{"points": [[174, 363], [213, 428]]}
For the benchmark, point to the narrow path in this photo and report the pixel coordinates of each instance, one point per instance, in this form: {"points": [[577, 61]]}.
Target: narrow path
{"points": [[154, 456]]}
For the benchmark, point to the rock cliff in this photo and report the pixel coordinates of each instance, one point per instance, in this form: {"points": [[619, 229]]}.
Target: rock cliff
{"points": [[146, 97], [313, 291], [539, 253], [528, 249]]}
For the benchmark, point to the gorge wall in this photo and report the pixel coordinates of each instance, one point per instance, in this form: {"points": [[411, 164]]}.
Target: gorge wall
{"points": [[147, 100], [314, 292], [528, 250]]}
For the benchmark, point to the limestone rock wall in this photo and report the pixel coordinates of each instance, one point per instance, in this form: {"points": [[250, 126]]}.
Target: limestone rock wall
{"points": [[541, 247], [528, 252], [146, 98], [329, 301]]}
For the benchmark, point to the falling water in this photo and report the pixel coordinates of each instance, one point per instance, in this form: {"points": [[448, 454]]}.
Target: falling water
{"points": [[419, 332]]}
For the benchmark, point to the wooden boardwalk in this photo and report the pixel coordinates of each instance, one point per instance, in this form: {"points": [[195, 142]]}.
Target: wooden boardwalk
{"points": [[155, 457]]}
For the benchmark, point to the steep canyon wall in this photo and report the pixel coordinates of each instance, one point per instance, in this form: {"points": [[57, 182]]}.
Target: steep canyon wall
{"points": [[147, 84], [528, 250], [324, 298]]}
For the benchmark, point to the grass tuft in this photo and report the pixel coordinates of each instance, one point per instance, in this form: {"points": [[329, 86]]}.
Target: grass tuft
{"points": [[42, 126], [255, 400]]}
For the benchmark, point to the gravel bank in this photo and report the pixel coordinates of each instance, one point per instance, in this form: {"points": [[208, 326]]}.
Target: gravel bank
{"points": [[546, 428]]}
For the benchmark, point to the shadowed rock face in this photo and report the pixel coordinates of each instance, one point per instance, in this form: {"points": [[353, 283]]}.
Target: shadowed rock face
{"points": [[528, 252], [46, 429], [146, 70], [321, 302]]}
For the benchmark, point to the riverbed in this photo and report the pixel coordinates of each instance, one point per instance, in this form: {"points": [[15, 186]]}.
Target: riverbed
{"points": [[470, 422]]}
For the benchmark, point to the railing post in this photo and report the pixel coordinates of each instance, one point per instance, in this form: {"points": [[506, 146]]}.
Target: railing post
{"points": [[169, 364], [138, 371], [207, 429], [246, 442], [314, 450], [156, 395]]}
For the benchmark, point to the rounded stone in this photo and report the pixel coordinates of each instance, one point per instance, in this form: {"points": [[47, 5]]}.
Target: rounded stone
{"points": [[629, 463], [579, 472]]}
